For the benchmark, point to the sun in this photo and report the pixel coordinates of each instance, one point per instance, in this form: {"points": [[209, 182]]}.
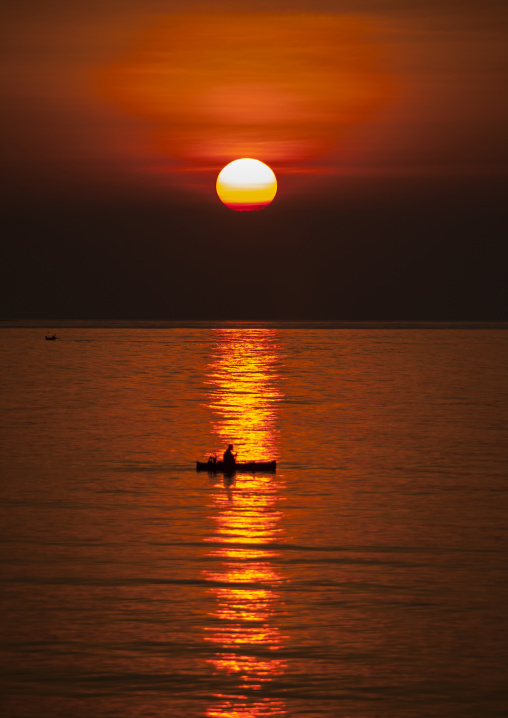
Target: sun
{"points": [[246, 184]]}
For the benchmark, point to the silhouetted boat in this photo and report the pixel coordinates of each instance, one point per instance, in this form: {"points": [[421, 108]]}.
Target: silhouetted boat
{"points": [[51, 339], [217, 467]]}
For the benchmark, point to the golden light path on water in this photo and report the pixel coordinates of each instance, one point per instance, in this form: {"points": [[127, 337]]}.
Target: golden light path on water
{"points": [[244, 391], [243, 398]]}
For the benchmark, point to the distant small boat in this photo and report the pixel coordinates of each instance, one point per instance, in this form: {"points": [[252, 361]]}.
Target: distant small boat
{"points": [[217, 467], [51, 339]]}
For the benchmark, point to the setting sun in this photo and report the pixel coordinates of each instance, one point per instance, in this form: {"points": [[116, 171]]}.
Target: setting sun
{"points": [[246, 184]]}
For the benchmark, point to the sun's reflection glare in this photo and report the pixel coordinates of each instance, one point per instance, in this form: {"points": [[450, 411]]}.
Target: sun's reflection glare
{"points": [[243, 391], [243, 626], [229, 708]]}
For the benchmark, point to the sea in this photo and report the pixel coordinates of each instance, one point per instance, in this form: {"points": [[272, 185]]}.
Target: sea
{"points": [[365, 578]]}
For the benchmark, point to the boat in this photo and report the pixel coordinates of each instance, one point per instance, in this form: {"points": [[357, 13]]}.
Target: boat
{"points": [[51, 338], [217, 467]]}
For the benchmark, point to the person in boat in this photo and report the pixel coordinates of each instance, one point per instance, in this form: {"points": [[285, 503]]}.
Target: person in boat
{"points": [[229, 459]]}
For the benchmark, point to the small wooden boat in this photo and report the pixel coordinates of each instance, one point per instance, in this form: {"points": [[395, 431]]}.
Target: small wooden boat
{"points": [[217, 467], [51, 339]]}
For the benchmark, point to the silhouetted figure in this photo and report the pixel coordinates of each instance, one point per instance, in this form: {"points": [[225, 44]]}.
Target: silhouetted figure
{"points": [[229, 458]]}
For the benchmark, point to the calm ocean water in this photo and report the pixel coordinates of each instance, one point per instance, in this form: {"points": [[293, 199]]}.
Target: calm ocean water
{"points": [[367, 578]]}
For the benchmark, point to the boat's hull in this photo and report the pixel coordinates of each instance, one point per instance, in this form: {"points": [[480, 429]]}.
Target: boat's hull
{"points": [[242, 466]]}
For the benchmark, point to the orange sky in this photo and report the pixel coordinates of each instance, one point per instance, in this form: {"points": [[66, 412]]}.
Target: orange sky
{"points": [[284, 88], [383, 120], [107, 98]]}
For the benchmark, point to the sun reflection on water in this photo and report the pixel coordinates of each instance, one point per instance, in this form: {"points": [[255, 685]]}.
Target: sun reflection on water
{"points": [[245, 581], [243, 391]]}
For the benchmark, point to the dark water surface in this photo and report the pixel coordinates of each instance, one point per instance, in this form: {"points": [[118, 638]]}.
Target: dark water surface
{"points": [[367, 578]]}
